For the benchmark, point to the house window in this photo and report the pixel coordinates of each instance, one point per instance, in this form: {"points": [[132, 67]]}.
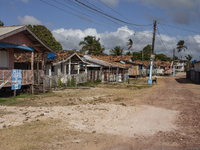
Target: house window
{"points": [[4, 59], [52, 68], [61, 68]]}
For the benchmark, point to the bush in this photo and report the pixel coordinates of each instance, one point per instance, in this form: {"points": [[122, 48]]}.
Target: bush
{"points": [[60, 83]]}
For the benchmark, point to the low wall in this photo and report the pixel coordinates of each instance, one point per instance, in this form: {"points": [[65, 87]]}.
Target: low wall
{"points": [[193, 75]]}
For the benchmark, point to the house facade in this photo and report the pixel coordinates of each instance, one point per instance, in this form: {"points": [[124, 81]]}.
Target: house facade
{"points": [[19, 39]]}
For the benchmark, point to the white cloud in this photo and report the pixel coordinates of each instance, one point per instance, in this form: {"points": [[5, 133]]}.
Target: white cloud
{"points": [[70, 39], [29, 20]]}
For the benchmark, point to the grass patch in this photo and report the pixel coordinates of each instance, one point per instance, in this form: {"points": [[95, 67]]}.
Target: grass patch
{"points": [[29, 136], [23, 99]]}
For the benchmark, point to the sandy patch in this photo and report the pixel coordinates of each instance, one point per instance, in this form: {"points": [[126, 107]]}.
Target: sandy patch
{"points": [[97, 118]]}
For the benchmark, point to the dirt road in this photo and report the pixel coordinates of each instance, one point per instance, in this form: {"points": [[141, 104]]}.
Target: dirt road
{"points": [[165, 116]]}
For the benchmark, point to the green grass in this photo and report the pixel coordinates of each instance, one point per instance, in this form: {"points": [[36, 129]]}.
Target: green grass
{"points": [[22, 98]]}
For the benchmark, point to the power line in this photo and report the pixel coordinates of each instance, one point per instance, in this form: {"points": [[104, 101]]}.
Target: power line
{"points": [[110, 15], [179, 28], [161, 39], [82, 12], [168, 33], [113, 10], [73, 14]]}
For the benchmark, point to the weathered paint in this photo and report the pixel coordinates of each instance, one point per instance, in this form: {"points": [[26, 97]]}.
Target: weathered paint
{"points": [[18, 39]]}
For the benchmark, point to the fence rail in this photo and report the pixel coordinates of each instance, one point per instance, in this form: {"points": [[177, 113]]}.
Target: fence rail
{"points": [[27, 77]]}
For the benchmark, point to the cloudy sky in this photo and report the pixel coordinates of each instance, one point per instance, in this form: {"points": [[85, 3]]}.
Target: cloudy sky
{"points": [[71, 20]]}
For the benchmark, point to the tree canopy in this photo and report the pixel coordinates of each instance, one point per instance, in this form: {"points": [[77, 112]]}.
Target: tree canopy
{"points": [[92, 45], [146, 55], [180, 47], [1, 23], [46, 36], [117, 51], [130, 44]]}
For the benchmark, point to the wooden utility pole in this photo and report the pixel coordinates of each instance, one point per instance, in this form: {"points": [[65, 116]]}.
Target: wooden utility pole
{"points": [[154, 34], [151, 58]]}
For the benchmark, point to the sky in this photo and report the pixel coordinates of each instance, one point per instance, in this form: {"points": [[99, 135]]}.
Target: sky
{"points": [[113, 21]]}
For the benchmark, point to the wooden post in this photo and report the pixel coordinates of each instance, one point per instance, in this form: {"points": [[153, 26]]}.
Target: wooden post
{"points": [[14, 92], [38, 72], [43, 73], [117, 78], [32, 69], [78, 68], [85, 68], [69, 71], [50, 78]]}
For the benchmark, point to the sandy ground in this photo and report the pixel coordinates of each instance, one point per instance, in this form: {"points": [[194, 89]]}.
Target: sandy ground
{"points": [[166, 116], [113, 119]]}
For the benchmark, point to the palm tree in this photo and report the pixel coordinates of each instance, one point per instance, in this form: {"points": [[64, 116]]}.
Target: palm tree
{"points": [[130, 43], [189, 58], [180, 47], [99, 50], [117, 51], [89, 44]]}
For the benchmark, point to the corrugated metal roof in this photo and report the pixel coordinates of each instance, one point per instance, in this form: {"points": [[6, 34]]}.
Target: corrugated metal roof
{"points": [[8, 29]]}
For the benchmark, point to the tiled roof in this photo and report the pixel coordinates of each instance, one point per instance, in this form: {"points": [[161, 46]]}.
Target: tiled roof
{"points": [[156, 63], [26, 57], [113, 58]]}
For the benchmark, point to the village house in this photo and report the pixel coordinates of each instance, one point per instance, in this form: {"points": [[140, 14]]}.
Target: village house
{"points": [[19, 39], [63, 64], [103, 68]]}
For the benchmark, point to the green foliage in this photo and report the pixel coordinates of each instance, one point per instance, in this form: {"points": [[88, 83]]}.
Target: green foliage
{"points": [[128, 53], [1, 23], [91, 83], [10, 101], [71, 83], [163, 57], [180, 47], [147, 54], [92, 45], [130, 44], [117, 51], [189, 59], [137, 55], [60, 83], [46, 36]]}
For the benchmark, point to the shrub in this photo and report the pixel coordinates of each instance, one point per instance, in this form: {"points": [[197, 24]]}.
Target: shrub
{"points": [[60, 82]]}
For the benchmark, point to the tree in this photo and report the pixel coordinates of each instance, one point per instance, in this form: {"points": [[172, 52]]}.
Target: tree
{"points": [[1, 23], [147, 52], [117, 51], [128, 53], [46, 36], [180, 47], [137, 55], [99, 50], [189, 58], [92, 45], [163, 57], [130, 44]]}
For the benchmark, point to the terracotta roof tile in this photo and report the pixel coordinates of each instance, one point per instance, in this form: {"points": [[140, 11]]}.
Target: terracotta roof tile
{"points": [[26, 57]]}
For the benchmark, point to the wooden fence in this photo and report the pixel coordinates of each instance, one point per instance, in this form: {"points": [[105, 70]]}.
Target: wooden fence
{"points": [[27, 77]]}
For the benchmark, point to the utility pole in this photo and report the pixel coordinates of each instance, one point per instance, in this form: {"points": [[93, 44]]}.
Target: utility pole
{"points": [[152, 55], [173, 62]]}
